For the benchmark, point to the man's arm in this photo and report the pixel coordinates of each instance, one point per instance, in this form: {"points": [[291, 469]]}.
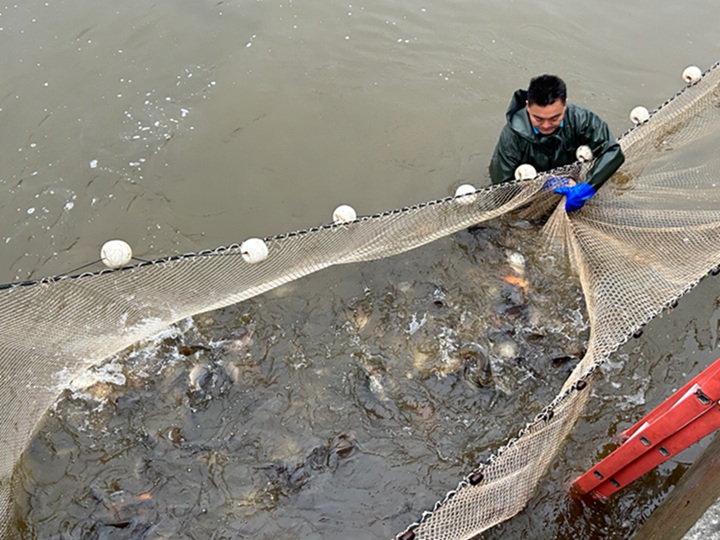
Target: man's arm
{"points": [[506, 157], [605, 148]]}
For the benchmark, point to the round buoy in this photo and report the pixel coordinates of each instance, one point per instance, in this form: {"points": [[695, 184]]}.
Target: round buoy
{"points": [[344, 214], [583, 153], [525, 172], [115, 253], [692, 74], [639, 115], [254, 250], [465, 194]]}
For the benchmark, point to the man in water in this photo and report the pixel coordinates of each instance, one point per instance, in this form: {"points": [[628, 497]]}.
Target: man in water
{"points": [[544, 130]]}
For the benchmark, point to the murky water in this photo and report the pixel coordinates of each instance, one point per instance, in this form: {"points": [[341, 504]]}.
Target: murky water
{"points": [[347, 406], [315, 410], [348, 402]]}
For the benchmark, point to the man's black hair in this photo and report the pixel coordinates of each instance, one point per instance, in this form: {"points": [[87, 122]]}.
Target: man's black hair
{"points": [[546, 89]]}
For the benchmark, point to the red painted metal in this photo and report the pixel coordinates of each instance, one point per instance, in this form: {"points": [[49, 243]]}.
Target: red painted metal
{"points": [[684, 418]]}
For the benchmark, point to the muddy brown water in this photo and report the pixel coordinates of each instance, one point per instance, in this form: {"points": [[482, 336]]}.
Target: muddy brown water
{"points": [[345, 404], [348, 402]]}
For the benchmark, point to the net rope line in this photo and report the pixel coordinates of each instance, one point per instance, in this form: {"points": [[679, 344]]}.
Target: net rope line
{"points": [[89, 317]]}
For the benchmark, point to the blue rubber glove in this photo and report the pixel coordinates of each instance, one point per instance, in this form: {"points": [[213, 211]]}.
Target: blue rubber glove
{"points": [[554, 182], [575, 196]]}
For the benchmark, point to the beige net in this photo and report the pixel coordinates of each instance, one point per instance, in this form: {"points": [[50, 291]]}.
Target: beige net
{"points": [[644, 240]]}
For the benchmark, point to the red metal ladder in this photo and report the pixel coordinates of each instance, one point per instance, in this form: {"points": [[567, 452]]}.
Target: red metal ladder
{"points": [[684, 418]]}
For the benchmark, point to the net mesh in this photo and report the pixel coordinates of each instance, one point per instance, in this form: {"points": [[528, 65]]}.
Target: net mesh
{"points": [[643, 241]]}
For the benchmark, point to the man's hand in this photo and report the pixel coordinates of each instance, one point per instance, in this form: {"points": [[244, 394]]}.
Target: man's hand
{"points": [[575, 196]]}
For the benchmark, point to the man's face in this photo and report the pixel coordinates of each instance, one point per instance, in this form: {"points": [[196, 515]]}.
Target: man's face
{"points": [[548, 118]]}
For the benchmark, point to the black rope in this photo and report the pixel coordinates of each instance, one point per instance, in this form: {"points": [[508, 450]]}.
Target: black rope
{"points": [[83, 266]]}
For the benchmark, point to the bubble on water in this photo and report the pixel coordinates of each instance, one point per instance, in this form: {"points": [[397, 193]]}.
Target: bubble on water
{"points": [[101, 378], [31, 210], [415, 325], [507, 349]]}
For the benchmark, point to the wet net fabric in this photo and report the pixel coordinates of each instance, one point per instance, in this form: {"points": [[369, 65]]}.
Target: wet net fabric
{"points": [[643, 241], [53, 329]]}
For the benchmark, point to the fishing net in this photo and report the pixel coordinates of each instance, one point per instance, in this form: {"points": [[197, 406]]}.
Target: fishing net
{"points": [[642, 242]]}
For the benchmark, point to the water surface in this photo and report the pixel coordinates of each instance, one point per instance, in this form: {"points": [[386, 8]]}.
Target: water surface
{"points": [[350, 401]]}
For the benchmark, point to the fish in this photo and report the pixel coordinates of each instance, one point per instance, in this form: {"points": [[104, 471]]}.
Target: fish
{"points": [[517, 281], [516, 261], [208, 379], [289, 478], [239, 339]]}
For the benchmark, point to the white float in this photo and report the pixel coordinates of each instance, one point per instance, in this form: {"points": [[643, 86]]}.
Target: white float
{"points": [[465, 194], [525, 172], [115, 253], [583, 153], [692, 74], [639, 115], [254, 250], [344, 214]]}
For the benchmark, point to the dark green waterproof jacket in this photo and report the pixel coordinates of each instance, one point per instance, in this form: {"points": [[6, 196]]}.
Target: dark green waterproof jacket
{"points": [[519, 144]]}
